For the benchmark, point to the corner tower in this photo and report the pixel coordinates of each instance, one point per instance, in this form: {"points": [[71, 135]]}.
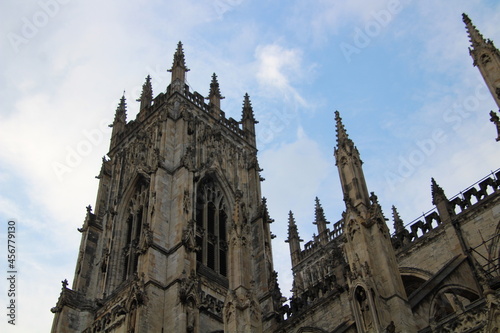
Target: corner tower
{"points": [[376, 291], [179, 228]]}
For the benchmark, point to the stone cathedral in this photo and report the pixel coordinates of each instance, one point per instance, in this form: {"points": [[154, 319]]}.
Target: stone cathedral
{"points": [[179, 239]]}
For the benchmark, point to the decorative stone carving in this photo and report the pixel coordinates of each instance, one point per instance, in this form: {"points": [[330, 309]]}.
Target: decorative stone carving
{"points": [[495, 119], [188, 236], [188, 287], [147, 238]]}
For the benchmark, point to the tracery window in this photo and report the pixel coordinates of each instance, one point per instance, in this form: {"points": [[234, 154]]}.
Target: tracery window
{"points": [[211, 219]]}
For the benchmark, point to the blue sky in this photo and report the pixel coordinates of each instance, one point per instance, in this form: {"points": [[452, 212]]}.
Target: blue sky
{"points": [[398, 71]]}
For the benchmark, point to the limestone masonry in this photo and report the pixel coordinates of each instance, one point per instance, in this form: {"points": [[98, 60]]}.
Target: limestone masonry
{"points": [[179, 239]]}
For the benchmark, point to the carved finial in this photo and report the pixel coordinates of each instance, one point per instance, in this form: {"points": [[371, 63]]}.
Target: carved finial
{"points": [[64, 284], [437, 192], [373, 198], [398, 222], [495, 120]]}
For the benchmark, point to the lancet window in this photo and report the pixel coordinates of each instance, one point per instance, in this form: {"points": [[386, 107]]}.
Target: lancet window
{"points": [[211, 219]]}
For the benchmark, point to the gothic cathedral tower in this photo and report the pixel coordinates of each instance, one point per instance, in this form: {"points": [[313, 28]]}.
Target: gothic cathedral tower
{"points": [[179, 238], [376, 290]]}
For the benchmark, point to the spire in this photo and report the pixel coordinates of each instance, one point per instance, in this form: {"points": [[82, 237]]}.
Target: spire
{"points": [[486, 58], [178, 69], [398, 222], [147, 94], [214, 94], [320, 221], [475, 36], [349, 164], [293, 239]]}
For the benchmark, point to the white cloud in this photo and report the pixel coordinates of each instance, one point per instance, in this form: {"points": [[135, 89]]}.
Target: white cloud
{"points": [[294, 174], [278, 68]]}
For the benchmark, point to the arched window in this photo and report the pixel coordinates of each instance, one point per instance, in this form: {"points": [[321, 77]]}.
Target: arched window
{"points": [[211, 218]]}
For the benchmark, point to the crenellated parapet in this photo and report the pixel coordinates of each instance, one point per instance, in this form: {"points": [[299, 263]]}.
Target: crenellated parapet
{"points": [[476, 193]]}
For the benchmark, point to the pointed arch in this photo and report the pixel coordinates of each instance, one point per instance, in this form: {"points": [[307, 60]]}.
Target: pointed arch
{"points": [[129, 225], [450, 299], [413, 278], [364, 307], [211, 216]]}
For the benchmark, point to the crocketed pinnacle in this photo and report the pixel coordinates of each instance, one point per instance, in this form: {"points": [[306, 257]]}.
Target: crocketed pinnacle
{"points": [[437, 192], [179, 60], [398, 222], [147, 93], [214, 88], [293, 233], [475, 36], [121, 111], [147, 89], [247, 113], [319, 213], [342, 137]]}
